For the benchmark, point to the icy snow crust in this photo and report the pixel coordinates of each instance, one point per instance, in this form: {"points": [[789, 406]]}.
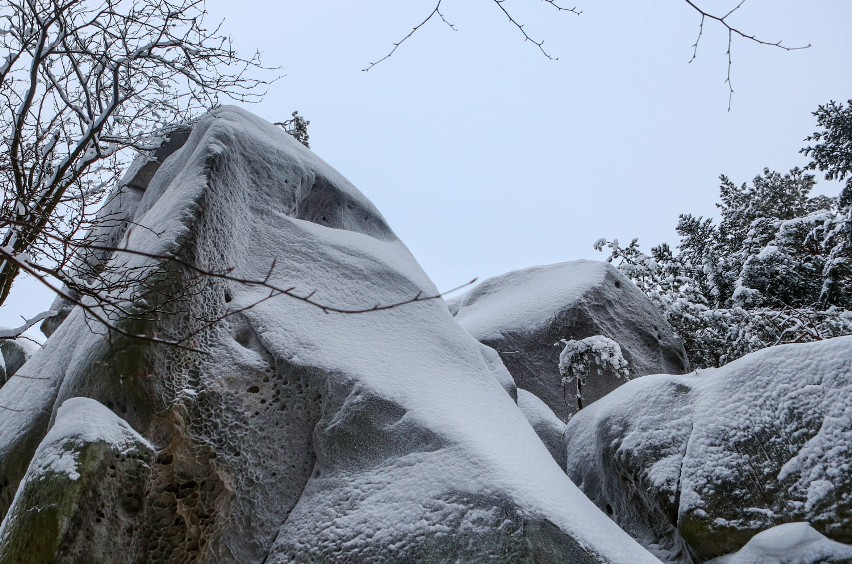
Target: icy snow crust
{"points": [[310, 436], [711, 458], [526, 313]]}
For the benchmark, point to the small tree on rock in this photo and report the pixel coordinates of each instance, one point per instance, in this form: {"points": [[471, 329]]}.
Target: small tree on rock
{"points": [[578, 357]]}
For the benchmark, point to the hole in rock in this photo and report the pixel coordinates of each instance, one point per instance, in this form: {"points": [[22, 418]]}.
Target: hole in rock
{"points": [[609, 509], [228, 297], [253, 389]]}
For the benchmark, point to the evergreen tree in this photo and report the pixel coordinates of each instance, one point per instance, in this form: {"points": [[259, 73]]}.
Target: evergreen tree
{"points": [[776, 269], [832, 154]]}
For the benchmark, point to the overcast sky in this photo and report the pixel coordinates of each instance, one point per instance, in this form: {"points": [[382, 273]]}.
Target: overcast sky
{"points": [[485, 156]]}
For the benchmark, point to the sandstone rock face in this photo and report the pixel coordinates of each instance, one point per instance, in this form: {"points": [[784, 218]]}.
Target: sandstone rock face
{"points": [[113, 220], [524, 314], [281, 431], [693, 466]]}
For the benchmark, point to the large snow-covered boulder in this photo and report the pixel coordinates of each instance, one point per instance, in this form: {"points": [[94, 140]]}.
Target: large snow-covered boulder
{"points": [[525, 314], [791, 543], [81, 498], [693, 466], [284, 431]]}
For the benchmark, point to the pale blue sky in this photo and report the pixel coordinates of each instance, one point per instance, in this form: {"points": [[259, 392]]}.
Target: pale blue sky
{"points": [[485, 157]]}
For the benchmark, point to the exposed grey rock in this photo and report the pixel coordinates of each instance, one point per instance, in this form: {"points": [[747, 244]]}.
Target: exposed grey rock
{"points": [[693, 466], [524, 314], [143, 168], [285, 432]]}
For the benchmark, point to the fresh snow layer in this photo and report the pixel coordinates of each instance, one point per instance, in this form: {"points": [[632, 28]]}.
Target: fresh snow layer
{"points": [[791, 543], [549, 428], [81, 421], [726, 452], [511, 302]]}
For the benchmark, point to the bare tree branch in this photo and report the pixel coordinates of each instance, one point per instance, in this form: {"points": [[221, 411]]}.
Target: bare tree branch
{"points": [[101, 301], [732, 31], [83, 84], [435, 11], [539, 43]]}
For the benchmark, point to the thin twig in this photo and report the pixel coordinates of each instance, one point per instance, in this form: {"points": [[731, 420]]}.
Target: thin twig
{"points": [[435, 11], [732, 31], [275, 291]]}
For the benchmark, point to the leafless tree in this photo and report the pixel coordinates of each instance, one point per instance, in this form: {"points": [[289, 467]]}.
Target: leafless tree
{"points": [[86, 85], [83, 84]]}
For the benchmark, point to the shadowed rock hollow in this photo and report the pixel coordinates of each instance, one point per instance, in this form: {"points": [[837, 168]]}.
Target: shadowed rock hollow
{"points": [[288, 434]]}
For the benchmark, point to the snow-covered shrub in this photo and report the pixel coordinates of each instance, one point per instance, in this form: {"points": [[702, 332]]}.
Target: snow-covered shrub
{"points": [[297, 126], [580, 356]]}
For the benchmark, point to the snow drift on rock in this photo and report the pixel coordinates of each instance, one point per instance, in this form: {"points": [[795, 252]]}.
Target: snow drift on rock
{"points": [[80, 499], [791, 543]]}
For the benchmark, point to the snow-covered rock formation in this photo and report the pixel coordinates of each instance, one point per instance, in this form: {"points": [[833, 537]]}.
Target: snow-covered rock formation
{"points": [[791, 543], [549, 428], [281, 432], [693, 466], [113, 219], [83, 492], [525, 314]]}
